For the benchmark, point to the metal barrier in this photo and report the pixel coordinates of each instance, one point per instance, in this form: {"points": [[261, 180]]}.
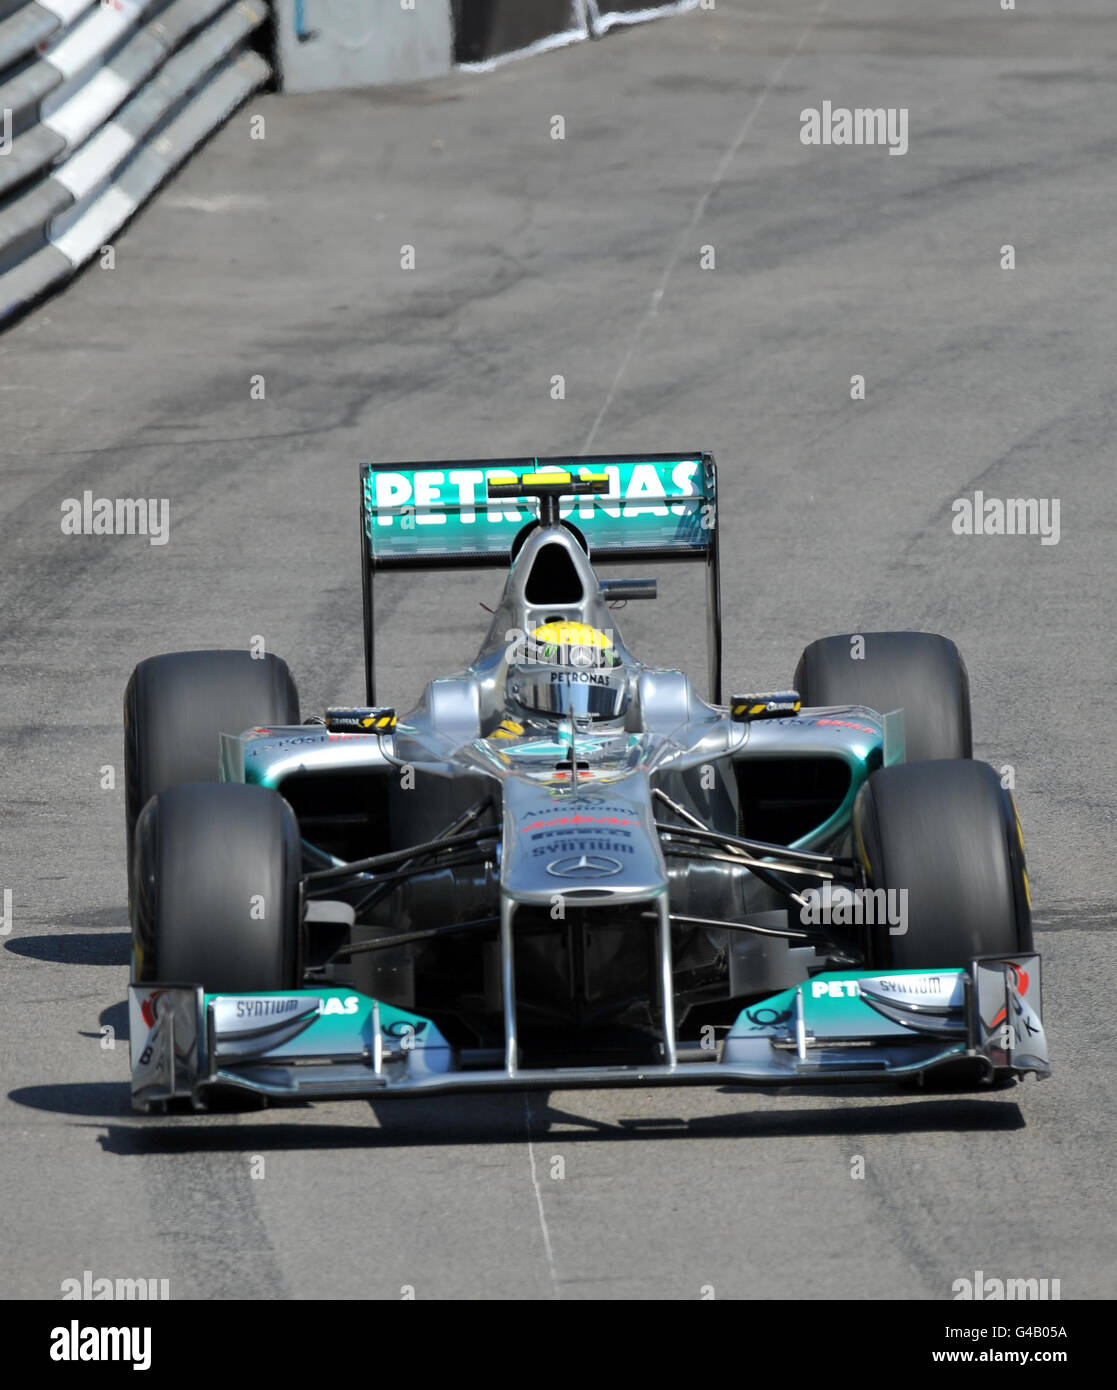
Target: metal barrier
{"points": [[488, 31], [608, 14], [99, 103]]}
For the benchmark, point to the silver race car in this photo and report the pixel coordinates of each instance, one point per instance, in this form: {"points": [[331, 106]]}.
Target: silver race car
{"points": [[564, 867]]}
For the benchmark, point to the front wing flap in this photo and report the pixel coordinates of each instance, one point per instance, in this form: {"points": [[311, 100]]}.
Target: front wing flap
{"points": [[839, 1026]]}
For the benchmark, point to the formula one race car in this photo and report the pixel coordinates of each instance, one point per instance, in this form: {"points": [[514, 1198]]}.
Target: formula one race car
{"points": [[563, 867]]}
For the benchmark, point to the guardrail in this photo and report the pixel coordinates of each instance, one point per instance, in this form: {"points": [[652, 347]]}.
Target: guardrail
{"points": [[100, 100]]}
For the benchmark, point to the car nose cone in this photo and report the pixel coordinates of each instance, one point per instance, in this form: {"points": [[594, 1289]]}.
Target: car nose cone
{"points": [[584, 866]]}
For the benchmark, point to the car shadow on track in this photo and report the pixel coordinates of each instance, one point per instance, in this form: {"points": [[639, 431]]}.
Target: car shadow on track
{"points": [[81, 1099], [93, 936], [74, 948], [486, 1120]]}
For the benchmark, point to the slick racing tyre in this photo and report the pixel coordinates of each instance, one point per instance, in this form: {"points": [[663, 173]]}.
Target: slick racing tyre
{"points": [[918, 672], [944, 838], [176, 705], [216, 878]]}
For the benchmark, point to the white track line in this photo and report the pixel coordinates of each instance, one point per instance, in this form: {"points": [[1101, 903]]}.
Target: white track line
{"points": [[699, 212], [539, 1201]]}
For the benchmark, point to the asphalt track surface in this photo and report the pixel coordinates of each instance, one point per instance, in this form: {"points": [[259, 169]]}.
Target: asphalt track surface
{"points": [[537, 257]]}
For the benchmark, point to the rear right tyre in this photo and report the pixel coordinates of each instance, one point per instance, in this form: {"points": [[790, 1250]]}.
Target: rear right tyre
{"points": [[176, 705]]}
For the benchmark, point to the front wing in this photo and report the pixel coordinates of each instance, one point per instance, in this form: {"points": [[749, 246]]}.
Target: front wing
{"points": [[839, 1026]]}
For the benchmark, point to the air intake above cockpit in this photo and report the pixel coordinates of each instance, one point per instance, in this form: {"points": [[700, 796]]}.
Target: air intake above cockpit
{"points": [[553, 577]]}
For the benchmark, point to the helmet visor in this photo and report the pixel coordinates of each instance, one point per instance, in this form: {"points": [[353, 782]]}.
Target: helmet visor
{"points": [[562, 691]]}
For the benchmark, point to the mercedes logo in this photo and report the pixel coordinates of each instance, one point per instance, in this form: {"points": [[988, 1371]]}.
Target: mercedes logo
{"points": [[584, 866]]}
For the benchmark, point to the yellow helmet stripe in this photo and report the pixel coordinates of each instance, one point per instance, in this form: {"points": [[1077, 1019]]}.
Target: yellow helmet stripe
{"points": [[571, 634]]}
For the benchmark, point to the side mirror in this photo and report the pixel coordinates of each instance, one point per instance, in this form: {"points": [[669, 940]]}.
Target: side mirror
{"points": [[778, 704], [362, 719]]}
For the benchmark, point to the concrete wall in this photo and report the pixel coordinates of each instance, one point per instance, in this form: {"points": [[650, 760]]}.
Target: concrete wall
{"points": [[361, 43]]}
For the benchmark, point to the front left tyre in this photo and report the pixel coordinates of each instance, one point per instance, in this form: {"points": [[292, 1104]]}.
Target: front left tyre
{"points": [[943, 838]]}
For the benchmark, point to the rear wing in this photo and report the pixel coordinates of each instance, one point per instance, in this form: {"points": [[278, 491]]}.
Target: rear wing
{"points": [[439, 515]]}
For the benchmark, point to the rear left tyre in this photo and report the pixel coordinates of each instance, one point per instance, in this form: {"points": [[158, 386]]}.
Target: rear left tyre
{"points": [[919, 672]]}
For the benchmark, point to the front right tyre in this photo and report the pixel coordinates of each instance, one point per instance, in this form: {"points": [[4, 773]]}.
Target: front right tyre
{"points": [[216, 873]]}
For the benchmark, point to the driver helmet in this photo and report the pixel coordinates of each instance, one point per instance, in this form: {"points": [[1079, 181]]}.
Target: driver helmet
{"points": [[570, 668]]}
